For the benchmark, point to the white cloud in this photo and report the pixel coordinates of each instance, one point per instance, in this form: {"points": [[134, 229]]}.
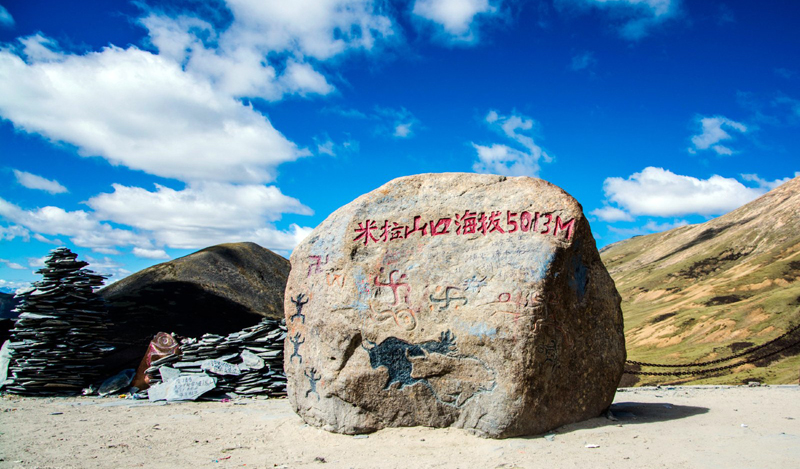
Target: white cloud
{"points": [[401, 122], [40, 48], [502, 159], [32, 181], [662, 193], [43, 239], [712, 133], [456, 18], [582, 61], [611, 214], [11, 265], [80, 226], [345, 112], [6, 20], [768, 185], [37, 262], [326, 147], [108, 268], [647, 228], [636, 17], [402, 130], [248, 58], [505, 160], [174, 124], [203, 214], [7, 233], [150, 253]]}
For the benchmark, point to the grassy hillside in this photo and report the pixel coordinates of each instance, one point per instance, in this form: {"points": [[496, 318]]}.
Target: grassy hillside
{"points": [[707, 291]]}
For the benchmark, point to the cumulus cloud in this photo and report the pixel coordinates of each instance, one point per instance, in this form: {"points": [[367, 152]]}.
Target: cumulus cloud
{"points": [[6, 20], [712, 131], [635, 18], [32, 181], [202, 214], [249, 57], [80, 226], [504, 159], [662, 193], [187, 116], [455, 18], [174, 124]]}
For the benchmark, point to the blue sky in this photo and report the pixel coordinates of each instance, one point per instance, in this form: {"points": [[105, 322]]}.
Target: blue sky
{"points": [[137, 132]]}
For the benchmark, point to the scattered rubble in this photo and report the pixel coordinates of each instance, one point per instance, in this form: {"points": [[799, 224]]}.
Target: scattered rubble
{"points": [[247, 362]]}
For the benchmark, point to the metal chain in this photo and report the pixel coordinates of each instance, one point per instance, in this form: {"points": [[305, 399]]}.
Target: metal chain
{"points": [[712, 370], [720, 360]]}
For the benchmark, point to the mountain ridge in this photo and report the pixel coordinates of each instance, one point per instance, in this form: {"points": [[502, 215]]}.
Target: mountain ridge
{"points": [[705, 291]]}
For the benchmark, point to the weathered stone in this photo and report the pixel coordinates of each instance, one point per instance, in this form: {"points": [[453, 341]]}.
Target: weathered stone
{"points": [[465, 300], [220, 289]]}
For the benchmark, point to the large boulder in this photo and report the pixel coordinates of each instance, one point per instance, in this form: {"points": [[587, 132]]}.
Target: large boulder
{"points": [[220, 289], [466, 300]]}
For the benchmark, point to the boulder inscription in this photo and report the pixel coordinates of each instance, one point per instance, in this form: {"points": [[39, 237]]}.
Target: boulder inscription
{"points": [[466, 300]]}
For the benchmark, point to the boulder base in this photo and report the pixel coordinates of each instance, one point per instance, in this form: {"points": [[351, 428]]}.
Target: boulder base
{"points": [[465, 300]]}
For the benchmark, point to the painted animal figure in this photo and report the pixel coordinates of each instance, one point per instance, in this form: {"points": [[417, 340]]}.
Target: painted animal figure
{"points": [[394, 354]]}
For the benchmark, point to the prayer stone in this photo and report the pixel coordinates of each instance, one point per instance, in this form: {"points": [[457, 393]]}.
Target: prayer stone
{"points": [[465, 300]]}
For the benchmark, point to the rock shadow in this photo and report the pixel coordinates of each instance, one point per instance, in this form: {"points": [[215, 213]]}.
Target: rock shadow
{"points": [[627, 413]]}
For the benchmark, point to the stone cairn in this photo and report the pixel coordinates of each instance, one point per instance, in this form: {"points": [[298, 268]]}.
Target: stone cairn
{"points": [[58, 342], [253, 360]]}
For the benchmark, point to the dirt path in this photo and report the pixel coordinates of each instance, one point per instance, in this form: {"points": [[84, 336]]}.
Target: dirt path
{"points": [[673, 427]]}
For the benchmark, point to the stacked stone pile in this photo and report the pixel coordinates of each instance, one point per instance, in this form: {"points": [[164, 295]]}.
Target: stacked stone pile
{"points": [[58, 342], [247, 362]]}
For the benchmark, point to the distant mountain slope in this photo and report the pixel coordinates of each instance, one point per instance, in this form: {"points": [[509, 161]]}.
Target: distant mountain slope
{"points": [[706, 291], [220, 289]]}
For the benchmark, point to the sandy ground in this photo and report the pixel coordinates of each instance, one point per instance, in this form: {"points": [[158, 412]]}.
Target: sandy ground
{"points": [[672, 427]]}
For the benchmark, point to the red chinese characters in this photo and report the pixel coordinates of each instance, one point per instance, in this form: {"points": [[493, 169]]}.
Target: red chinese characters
{"points": [[468, 223]]}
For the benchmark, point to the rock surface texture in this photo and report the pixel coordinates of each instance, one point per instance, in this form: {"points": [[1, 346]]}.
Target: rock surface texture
{"points": [[465, 300]]}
